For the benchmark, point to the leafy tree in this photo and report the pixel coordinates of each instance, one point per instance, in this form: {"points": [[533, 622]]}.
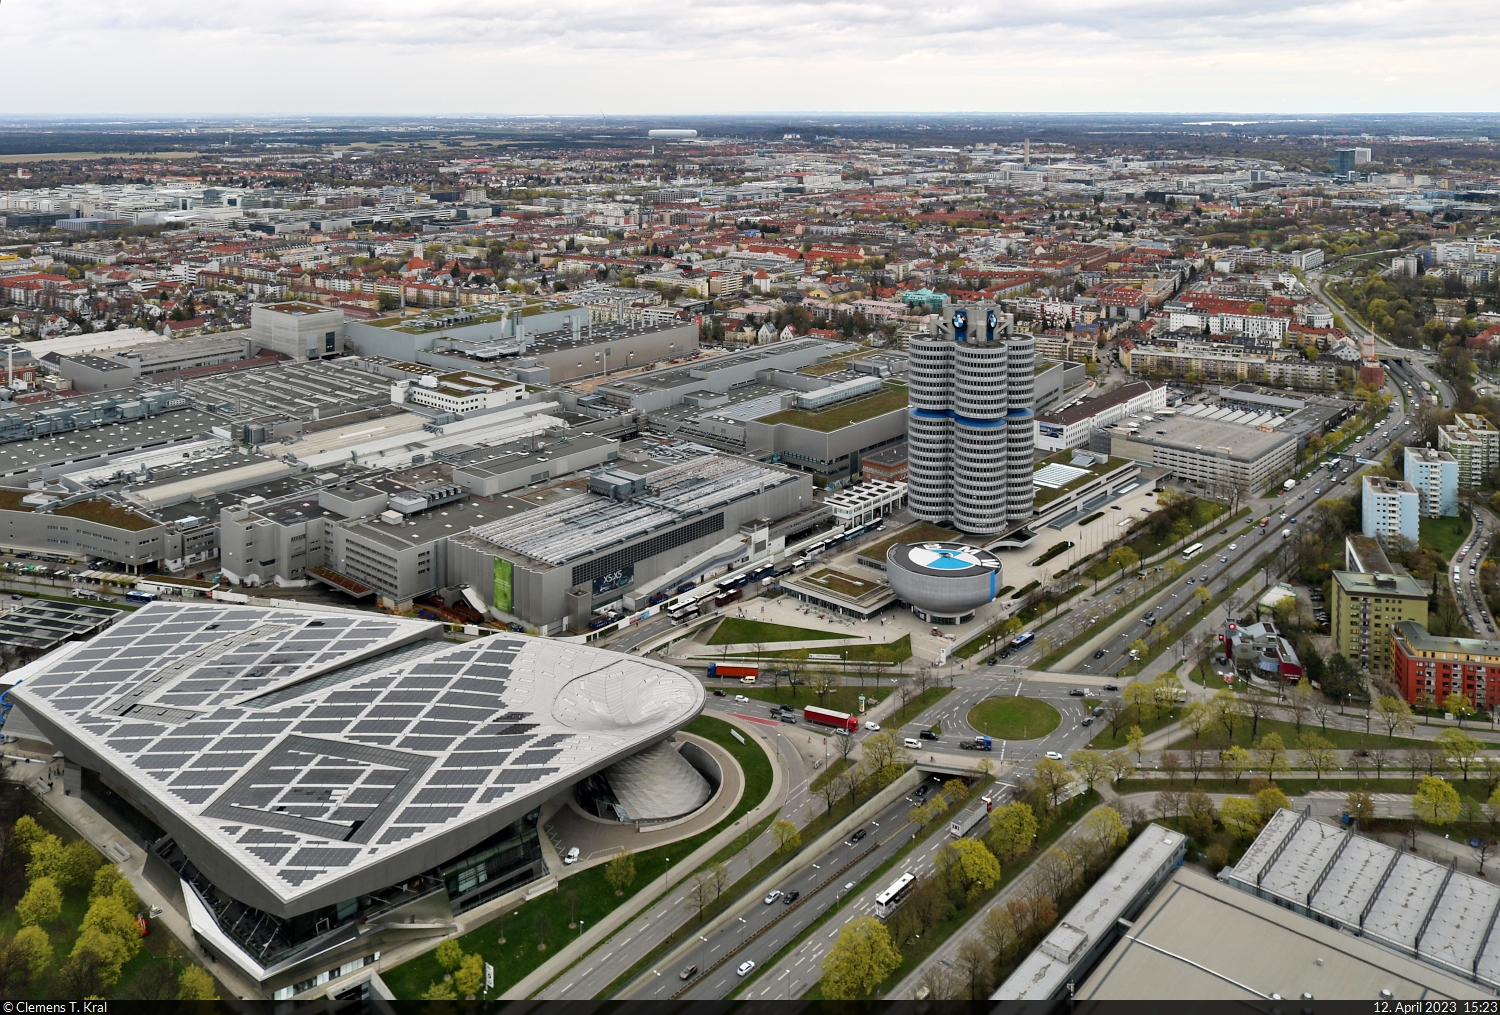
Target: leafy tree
{"points": [[1394, 713], [469, 977], [88, 971], [1013, 828], [1436, 801], [41, 904], [1238, 760], [1090, 766], [1270, 800], [1361, 806], [23, 957], [620, 871], [195, 984], [1053, 778], [859, 960], [47, 860], [24, 833], [108, 916], [449, 955], [1119, 764], [1317, 753], [1137, 740], [1459, 705], [1141, 699], [967, 866], [1461, 749], [1226, 709], [1240, 817], [1270, 755]]}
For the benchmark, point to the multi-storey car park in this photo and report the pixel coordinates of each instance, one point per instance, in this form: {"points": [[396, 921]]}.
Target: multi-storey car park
{"points": [[319, 785]]}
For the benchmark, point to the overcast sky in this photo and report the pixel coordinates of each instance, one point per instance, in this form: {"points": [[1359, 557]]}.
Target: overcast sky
{"points": [[714, 56]]}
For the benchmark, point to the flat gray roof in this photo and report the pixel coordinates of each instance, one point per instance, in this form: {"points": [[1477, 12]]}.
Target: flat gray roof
{"points": [[1199, 940], [1408, 903], [1207, 436], [113, 438]]}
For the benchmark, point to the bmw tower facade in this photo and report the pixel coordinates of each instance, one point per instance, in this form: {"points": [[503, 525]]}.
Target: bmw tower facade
{"points": [[970, 421]]}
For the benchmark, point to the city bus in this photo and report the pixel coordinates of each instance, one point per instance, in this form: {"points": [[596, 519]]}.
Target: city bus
{"points": [[139, 597], [1191, 551], [1022, 640], [887, 901]]}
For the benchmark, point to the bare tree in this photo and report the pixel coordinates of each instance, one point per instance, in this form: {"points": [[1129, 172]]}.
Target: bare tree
{"points": [[976, 965], [1197, 759], [1322, 708], [1257, 708]]}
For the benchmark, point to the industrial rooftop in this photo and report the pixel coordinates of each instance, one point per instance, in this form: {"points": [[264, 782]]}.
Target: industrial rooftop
{"points": [[302, 758]]}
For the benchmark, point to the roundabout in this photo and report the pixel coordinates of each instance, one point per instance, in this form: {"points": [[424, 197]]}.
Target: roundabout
{"points": [[1014, 718]]}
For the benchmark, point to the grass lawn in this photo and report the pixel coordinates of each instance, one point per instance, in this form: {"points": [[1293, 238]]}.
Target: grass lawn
{"points": [[882, 652], [535, 930], [1342, 782], [892, 398], [922, 532], [1014, 718], [1342, 739], [1445, 535], [1108, 741], [738, 631]]}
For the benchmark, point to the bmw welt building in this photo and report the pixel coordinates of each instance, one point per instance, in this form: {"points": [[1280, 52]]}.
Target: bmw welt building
{"points": [[322, 784]]}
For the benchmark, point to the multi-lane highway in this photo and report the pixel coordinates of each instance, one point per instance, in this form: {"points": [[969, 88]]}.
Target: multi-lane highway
{"points": [[763, 929]]}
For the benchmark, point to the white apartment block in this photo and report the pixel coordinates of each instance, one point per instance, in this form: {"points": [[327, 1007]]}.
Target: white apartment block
{"points": [[1391, 509]]}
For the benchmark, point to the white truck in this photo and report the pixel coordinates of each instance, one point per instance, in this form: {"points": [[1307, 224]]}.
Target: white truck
{"points": [[1285, 533], [1289, 484], [963, 823]]}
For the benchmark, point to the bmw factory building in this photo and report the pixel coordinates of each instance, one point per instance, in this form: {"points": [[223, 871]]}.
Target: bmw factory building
{"points": [[318, 785]]}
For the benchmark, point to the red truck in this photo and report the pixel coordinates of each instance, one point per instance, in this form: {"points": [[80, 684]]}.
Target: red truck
{"points": [[735, 672], [828, 717]]}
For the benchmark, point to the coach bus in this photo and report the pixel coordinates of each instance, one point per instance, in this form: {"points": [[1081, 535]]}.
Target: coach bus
{"points": [[887, 901]]}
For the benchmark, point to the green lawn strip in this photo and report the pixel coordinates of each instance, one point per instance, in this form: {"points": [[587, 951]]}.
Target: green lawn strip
{"points": [[939, 828], [835, 766], [1400, 783], [1445, 535], [544, 920], [922, 532], [1342, 739], [917, 952], [738, 631], [1014, 718], [1083, 637], [840, 699], [809, 833], [880, 652], [1108, 740]]}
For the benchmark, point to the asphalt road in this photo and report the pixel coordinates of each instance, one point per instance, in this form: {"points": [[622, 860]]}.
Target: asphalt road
{"points": [[822, 888]]}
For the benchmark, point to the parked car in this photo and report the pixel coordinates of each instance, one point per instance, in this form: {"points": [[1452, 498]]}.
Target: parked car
{"points": [[1088, 720], [571, 857]]}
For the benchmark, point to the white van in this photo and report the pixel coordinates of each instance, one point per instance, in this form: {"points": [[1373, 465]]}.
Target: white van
{"points": [[915, 745]]}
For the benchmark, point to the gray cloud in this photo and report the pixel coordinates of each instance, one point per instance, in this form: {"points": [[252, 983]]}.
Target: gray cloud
{"points": [[713, 55]]}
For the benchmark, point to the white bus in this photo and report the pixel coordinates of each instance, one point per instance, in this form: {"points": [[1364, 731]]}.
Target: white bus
{"points": [[887, 901], [1191, 551]]}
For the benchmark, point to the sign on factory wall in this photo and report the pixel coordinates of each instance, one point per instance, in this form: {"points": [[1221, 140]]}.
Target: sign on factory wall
{"points": [[503, 597], [614, 580]]}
